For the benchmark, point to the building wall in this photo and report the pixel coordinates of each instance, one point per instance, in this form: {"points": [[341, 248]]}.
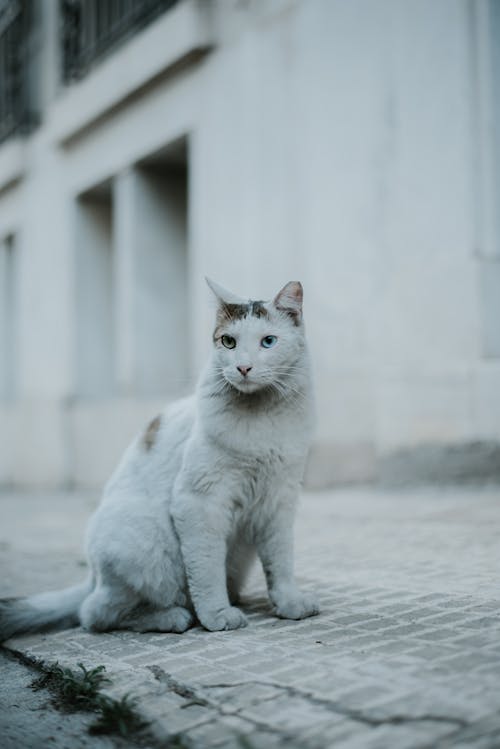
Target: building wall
{"points": [[349, 145]]}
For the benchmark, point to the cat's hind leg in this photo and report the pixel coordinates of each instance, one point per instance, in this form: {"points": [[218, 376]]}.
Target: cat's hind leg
{"points": [[106, 607], [175, 619], [112, 607]]}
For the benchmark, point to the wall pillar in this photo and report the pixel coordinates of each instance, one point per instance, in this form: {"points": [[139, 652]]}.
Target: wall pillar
{"points": [[125, 229]]}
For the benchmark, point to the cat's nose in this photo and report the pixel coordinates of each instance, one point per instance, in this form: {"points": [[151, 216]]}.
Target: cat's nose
{"points": [[244, 370]]}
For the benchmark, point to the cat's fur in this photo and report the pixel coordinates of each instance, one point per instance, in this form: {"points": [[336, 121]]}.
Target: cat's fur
{"points": [[210, 484]]}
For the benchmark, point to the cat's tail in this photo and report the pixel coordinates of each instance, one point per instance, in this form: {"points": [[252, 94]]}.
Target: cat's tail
{"points": [[55, 610]]}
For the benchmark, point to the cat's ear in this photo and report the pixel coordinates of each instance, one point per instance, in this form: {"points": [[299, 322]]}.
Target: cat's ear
{"points": [[289, 300], [224, 297]]}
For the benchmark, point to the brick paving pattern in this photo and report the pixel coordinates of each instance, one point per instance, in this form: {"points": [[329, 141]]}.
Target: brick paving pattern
{"points": [[405, 654]]}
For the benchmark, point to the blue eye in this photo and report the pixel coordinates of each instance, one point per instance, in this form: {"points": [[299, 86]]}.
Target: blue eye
{"points": [[269, 341], [228, 341]]}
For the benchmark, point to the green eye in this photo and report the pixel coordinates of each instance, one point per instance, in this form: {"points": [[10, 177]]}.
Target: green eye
{"points": [[228, 341], [269, 341]]}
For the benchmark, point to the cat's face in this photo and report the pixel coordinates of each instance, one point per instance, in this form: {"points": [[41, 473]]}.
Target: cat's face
{"points": [[258, 344]]}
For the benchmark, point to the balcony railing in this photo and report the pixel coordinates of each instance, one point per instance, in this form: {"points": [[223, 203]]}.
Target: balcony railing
{"points": [[93, 28], [16, 111]]}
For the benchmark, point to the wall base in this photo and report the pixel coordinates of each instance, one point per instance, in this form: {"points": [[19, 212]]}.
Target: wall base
{"points": [[333, 465]]}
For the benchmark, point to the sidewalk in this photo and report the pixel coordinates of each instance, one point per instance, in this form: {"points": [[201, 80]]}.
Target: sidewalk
{"points": [[405, 654]]}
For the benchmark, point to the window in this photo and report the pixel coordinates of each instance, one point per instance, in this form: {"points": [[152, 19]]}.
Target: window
{"points": [[16, 69], [92, 28]]}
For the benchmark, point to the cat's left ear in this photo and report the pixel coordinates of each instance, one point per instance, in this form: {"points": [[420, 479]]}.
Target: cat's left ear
{"points": [[224, 297], [289, 300]]}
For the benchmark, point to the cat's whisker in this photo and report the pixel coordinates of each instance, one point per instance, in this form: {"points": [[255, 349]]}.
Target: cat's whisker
{"points": [[220, 387], [291, 394]]}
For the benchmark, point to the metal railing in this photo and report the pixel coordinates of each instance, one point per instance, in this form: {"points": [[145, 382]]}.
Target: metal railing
{"points": [[16, 111], [90, 29]]}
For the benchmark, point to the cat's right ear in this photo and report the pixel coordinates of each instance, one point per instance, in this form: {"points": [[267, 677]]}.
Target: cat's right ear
{"points": [[289, 300], [223, 296]]}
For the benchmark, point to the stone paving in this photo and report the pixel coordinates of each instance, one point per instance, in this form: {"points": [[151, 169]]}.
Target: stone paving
{"points": [[405, 654]]}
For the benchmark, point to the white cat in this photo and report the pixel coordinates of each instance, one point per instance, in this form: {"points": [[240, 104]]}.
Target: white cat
{"points": [[212, 483]]}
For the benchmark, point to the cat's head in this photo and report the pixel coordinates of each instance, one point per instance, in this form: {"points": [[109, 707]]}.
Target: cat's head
{"points": [[258, 344]]}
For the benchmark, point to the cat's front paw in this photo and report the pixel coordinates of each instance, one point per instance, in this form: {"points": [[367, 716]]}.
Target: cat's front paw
{"points": [[297, 606], [228, 618]]}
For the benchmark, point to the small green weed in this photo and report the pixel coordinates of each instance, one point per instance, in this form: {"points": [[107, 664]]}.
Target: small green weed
{"points": [[177, 742], [74, 690], [244, 742], [81, 690], [117, 716]]}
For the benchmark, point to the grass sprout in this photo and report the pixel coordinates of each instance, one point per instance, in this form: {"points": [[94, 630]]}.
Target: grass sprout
{"points": [[75, 690], [80, 690], [117, 716]]}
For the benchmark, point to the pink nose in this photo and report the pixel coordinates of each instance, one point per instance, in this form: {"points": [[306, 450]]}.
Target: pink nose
{"points": [[244, 370]]}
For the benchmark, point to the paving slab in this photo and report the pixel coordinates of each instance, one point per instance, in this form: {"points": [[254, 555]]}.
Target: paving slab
{"points": [[405, 654]]}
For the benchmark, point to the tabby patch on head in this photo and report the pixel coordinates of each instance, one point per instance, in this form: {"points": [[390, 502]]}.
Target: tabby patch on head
{"points": [[230, 312]]}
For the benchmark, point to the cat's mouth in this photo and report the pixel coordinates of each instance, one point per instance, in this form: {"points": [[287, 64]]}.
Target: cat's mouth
{"points": [[245, 385]]}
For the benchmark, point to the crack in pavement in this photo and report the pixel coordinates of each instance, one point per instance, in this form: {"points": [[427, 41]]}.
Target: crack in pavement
{"points": [[331, 705], [352, 713], [178, 688], [195, 699], [474, 731]]}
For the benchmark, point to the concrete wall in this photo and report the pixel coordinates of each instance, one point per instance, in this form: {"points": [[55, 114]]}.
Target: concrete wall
{"points": [[349, 145]]}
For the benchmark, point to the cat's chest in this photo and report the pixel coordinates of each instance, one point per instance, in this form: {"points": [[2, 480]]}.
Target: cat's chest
{"points": [[268, 438], [257, 482]]}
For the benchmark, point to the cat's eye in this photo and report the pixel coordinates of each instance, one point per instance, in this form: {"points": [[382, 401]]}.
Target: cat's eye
{"points": [[269, 341], [228, 341]]}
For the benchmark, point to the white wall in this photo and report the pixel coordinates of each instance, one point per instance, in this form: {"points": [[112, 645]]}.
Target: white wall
{"points": [[343, 144], [347, 129]]}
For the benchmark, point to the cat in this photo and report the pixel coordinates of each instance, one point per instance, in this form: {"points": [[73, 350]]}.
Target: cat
{"points": [[210, 485]]}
